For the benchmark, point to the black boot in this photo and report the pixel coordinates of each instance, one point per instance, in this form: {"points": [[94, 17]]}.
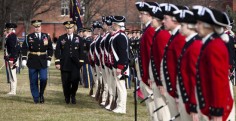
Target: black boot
{"points": [[42, 88], [67, 100], [41, 99], [73, 100]]}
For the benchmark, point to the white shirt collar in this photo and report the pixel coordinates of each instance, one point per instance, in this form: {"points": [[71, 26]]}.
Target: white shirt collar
{"points": [[38, 33], [173, 32], [70, 35], [204, 39], [149, 22], [190, 37], [157, 28]]}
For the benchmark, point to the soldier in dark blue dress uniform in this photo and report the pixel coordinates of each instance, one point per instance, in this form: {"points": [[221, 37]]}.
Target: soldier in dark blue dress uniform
{"points": [[39, 46], [69, 59], [87, 71]]}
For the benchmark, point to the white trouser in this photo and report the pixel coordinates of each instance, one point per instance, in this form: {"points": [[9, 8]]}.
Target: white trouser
{"points": [[149, 102], [105, 78], [171, 101], [109, 84], [231, 116], [184, 116], [12, 79], [112, 88], [97, 78], [121, 92], [163, 114], [137, 69]]}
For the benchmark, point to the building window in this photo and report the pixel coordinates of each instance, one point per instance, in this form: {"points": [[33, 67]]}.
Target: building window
{"points": [[64, 7]]}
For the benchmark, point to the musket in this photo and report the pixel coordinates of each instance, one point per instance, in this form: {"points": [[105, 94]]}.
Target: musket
{"points": [[137, 88], [175, 117], [166, 101], [146, 98], [135, 94], [160, 107], [10, 70], [8, 67]]}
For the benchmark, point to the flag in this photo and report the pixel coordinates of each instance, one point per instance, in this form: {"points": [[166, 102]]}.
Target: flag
{"points": [[75, 12]]}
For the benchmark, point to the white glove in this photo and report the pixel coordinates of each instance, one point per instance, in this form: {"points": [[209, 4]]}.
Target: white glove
{"points": [[48, 63], [23, 63]]}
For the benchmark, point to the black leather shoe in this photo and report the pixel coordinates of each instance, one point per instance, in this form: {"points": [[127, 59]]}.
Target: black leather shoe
{"points": [[36, 100], [67, 100], [73, 100], [41, 99]]}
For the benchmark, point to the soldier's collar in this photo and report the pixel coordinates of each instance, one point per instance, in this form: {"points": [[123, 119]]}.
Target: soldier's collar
{"points": [[204, 39]]}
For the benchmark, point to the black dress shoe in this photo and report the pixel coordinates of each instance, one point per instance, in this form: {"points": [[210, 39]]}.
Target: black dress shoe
{"points": [[41, 99], [36, 101], [73, 100], [67, 100]]}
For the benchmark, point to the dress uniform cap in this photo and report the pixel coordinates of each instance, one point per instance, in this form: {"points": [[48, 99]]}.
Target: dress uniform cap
{"points": [[185, 16], [211, 16], [87, 30], [137, 31], [69, 24], [80, 29], [155, 11], [10, 25], [36, 23], [97, 24], [168, 8]]}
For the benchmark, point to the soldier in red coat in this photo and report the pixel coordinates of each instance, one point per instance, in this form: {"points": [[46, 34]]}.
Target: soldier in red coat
{"points": [[186, 77], [159, 42], [144, 55], [168, 70], [213, 86]]}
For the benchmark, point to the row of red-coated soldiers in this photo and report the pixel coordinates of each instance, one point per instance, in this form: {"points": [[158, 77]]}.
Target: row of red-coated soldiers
{"points": [[184, 62], [185, 59]]}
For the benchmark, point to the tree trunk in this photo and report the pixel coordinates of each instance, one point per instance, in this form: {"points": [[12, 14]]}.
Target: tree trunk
{"points": [[3, 11]]}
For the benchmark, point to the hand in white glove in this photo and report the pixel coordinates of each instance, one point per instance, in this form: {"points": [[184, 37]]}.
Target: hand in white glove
{"points": [[23, 63], [48, 63]]}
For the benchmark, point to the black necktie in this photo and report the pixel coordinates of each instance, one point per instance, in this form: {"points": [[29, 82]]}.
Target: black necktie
{"points": [[69, 37], [38, 35]]}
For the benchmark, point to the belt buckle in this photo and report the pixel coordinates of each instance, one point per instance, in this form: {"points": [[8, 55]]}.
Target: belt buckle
{"points": [[38, 53]]}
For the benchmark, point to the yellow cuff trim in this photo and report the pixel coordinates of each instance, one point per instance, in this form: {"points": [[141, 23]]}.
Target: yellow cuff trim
{"points": [[81, 61]]}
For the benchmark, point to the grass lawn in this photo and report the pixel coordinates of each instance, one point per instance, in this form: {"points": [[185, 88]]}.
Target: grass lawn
{"points": [[22, 108]]}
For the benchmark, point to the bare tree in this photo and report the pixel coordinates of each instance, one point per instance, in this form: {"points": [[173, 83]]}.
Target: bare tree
{"points": [[93, 8], [32, 8], [7, 15]]}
